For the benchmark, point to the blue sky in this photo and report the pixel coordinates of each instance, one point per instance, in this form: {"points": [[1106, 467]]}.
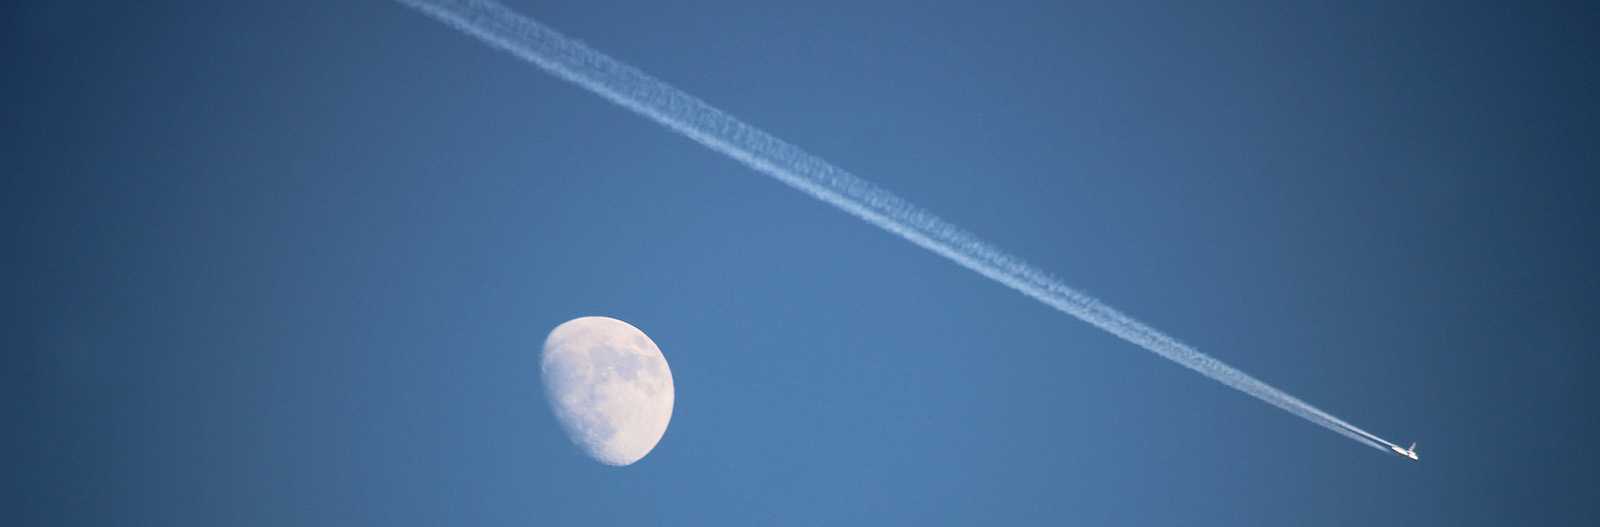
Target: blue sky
{"points": [[293, 264]]}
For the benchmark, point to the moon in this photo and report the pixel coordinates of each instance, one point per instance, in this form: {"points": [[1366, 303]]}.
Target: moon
{"points": [[609, 386]]}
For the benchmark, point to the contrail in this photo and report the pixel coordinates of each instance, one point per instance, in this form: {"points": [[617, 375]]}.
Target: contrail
{"points": [[633, 89]]}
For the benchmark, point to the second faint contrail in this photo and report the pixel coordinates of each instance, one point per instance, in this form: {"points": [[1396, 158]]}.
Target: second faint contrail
{"points": [[633, 89]]}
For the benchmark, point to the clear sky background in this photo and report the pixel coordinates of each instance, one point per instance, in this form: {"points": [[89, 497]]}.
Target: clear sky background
{"points": [[292, 263]]}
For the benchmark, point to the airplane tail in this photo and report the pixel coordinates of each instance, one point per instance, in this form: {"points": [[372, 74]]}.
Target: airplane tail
{"points": [[1413, 446]]}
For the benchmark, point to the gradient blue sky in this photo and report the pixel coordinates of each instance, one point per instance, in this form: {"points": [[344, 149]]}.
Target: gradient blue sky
{"points": [[292, 264]]}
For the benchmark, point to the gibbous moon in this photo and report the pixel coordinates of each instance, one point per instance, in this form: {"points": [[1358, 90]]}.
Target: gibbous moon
{"points": [[609, 386]]}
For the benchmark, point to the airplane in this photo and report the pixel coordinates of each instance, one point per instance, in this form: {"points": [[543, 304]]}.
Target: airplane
{"points": [[1407, 452]]}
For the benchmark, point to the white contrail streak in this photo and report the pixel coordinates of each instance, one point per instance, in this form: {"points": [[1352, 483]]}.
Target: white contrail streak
{"points": [[687, 115]]}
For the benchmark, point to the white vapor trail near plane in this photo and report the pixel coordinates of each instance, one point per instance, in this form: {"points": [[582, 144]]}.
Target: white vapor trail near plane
{"points": [[633, 89]]}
